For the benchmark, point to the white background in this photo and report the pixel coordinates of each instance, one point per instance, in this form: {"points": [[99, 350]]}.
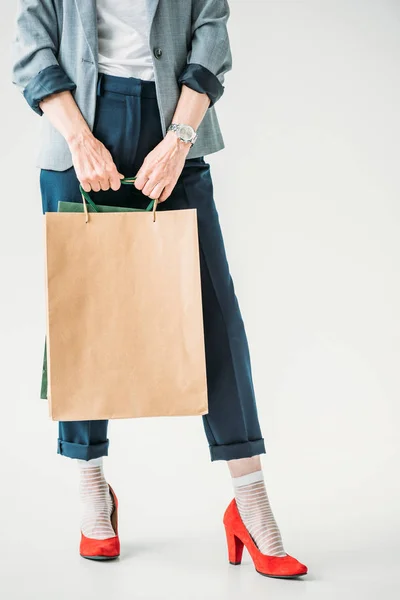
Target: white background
{"points": [[307, 190]]}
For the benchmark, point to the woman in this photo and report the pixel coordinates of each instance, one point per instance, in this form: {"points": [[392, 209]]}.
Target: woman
{"points": [[129, 88]]}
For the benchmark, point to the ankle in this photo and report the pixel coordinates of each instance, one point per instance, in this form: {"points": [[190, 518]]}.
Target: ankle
{"points": [[96, 500], [243, 466], [255, 511]]}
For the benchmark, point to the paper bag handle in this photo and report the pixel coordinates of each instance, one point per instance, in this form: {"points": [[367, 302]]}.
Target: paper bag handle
{"points": [[125, 181]]}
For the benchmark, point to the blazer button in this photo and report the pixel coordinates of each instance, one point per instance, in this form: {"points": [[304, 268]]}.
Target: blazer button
{"points": [[157, 52]]}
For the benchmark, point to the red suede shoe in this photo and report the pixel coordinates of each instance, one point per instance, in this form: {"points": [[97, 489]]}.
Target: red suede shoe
{"points": [[103, 549], [238, 536]]}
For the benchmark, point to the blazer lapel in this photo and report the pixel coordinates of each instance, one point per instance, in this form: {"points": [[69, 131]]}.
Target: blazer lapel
{"points": [[151, 11], [87, 11]]}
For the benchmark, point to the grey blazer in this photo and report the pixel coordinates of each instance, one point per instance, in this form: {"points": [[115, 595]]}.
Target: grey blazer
{"points": [[55, 48]]}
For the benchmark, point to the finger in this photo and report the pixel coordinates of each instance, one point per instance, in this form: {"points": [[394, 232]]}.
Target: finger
{"points": [[115, 177], [102, 175], [156, 191], [141, 180], [95, 185], [93, 180], [115, 181], [104, 183], [86, 185], [165, 193], [150, 185]]}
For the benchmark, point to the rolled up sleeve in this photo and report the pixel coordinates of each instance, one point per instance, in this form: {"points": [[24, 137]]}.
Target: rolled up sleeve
{"points": [[49, 81], [35, 68], [210, 56], [202, 80]]}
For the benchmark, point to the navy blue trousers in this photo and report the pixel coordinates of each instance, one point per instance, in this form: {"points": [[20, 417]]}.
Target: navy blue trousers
{"points": [[128, 123]]}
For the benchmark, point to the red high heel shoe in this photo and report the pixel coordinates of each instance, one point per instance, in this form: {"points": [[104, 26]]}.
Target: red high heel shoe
{"points": [[103, 549], [238, 536]]}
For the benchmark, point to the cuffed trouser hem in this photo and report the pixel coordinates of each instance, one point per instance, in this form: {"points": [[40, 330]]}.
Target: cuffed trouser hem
{"points": [[82, 451], [240, 450]]}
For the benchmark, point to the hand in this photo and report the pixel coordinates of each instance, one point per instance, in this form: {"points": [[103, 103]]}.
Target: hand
{"points": [[162, 167], [93, 163]]}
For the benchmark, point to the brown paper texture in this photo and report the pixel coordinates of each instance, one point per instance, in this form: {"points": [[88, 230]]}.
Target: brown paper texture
{"points": [[124, 315]]}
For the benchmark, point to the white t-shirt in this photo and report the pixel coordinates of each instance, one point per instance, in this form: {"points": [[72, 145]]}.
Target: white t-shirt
{"points": [[123, 34]]}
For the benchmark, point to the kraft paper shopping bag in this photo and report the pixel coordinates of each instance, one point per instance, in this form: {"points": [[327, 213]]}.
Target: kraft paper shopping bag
{"points": [[124, 314]]}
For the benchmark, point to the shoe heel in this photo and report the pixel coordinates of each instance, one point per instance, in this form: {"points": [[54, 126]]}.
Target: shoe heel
{"points": [[235, 548]]}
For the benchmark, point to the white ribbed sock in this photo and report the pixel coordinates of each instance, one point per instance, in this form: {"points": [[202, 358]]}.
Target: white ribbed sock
{"points": [[96, 500], [255, 511]]}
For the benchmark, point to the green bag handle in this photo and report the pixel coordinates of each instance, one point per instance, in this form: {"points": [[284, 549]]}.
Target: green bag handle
{"points": [[125, 181]]}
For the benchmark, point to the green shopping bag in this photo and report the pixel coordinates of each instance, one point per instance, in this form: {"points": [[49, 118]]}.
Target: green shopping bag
{"points": [[64, 206]]}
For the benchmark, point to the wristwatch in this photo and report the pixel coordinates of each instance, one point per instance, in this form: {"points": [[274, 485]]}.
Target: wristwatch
{"points": [[186, 133]]}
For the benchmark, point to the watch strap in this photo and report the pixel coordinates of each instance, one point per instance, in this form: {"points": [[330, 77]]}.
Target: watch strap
{"points": [[175, 127]]}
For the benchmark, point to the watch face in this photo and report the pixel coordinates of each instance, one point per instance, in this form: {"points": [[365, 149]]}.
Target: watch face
{"points": [[186, 132]]}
